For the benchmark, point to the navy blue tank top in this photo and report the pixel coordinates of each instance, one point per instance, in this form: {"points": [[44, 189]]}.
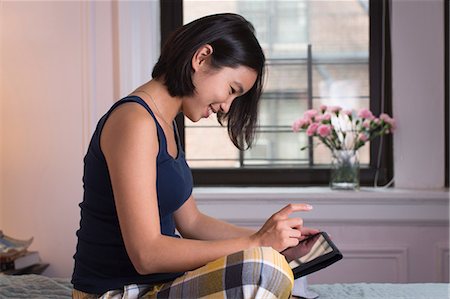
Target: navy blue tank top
{"points": [[101, 260]]}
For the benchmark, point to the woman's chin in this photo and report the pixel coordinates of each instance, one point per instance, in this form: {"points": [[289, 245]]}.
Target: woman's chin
{"points": [[194, 119]]}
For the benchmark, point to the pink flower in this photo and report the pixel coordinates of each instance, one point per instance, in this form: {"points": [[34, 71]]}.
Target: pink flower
{"points": [[393, 125], [365, 113], [326, 116], [385, 117], [318, 118], [335, 109], [390, 121], [310, 113], [348, 112], [323, 108], [363, 137], [296, 125], [366, 124], [312, 129], [300, 124], [324, 130]]}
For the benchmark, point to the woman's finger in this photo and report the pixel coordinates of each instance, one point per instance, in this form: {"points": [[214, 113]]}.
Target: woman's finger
{"points": [[293, 207], [296, 223], [295, 233], [292, 242], [306, 231]]}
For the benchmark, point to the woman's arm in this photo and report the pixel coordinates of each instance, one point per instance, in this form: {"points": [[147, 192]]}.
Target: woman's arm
{"points": [[193, 224], [167, 254], [130, 144]]}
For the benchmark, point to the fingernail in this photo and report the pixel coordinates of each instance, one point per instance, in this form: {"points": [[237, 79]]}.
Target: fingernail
{"points": [[309, 207]]}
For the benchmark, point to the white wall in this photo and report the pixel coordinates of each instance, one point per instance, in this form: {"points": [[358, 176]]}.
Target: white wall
{"points": [[62, 65], [418, 93], [56, 75]]}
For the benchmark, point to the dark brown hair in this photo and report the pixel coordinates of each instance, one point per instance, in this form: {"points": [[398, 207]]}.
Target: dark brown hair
{"points": [[234, 44]]}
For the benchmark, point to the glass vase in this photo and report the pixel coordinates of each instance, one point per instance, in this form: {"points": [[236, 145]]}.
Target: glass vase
{"points": [[344, 170]]}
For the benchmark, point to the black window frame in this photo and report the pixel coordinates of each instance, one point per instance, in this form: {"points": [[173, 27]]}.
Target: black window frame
{"points": [[381, 153]]}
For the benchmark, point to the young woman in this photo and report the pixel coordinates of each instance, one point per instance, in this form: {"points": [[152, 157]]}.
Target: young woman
{"points": [[137, 185]]}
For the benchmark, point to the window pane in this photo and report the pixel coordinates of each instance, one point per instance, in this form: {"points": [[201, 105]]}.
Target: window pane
{"points": [[338, 32], [281, 146], [208, 145]]}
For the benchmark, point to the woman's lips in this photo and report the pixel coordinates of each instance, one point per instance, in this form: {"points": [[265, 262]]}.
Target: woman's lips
{"points": [[209, 111]]}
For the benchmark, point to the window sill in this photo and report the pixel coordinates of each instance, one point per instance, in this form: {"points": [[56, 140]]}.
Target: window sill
{"points": [[247, 205]]}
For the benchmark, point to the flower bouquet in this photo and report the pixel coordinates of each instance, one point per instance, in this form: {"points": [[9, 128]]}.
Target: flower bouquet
{"points": [[344, 132]]}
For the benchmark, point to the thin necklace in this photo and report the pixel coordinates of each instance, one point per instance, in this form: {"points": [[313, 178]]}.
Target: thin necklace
{"points": [[157, 109]]}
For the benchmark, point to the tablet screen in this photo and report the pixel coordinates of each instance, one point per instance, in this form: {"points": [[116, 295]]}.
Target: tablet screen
{"points": [[307, 250]]}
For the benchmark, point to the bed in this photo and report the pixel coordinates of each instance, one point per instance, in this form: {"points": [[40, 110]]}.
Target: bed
{"points": [[34, 286], [382, 291], [38, 286]]}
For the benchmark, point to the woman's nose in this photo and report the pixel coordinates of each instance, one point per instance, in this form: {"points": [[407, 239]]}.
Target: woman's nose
{"points": [[225, 106]]}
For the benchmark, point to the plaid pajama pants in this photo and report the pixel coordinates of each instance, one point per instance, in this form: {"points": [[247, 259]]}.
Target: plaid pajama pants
{"points": [[259, 272]]}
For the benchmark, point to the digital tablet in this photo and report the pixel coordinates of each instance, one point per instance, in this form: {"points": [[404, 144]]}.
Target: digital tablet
{"points": [[312, 254]]}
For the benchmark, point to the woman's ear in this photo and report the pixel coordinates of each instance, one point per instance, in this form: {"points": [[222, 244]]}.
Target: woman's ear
{"points": [[201, 56]]}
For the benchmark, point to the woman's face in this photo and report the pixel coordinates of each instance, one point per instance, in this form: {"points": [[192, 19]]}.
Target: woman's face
{"points": [[216, 89]]}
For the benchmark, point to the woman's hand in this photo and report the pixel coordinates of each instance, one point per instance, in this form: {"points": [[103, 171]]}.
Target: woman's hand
{"points": [[303, 248], [281, 232]]}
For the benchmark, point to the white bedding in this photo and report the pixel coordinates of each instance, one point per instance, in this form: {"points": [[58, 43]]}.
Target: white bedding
{"points": [[37, 286], [382, 291], [34, 286]]}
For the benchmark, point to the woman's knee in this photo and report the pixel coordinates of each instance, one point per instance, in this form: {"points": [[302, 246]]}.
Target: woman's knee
{"points": [[270, 258], [264, 269]]}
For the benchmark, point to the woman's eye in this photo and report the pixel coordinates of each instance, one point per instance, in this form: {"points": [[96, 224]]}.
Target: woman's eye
{"points": [[232, 90]]}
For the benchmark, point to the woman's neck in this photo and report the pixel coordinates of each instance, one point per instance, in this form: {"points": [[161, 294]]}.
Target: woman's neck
{"points": [[156, 95]]}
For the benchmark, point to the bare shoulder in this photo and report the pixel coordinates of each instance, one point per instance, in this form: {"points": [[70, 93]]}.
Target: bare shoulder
{"points": [[130, 114], [129, 125]]}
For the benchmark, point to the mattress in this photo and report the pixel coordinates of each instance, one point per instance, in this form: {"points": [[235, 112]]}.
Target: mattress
{"points": [[38, 286], [382, 291], [34, 286]]}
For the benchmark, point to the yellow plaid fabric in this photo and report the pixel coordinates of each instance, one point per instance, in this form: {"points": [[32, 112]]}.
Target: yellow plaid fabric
{"points": [[259, 272]]}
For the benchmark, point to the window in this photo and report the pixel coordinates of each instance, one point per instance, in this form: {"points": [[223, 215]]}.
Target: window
{"points": [[318, 53]]}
